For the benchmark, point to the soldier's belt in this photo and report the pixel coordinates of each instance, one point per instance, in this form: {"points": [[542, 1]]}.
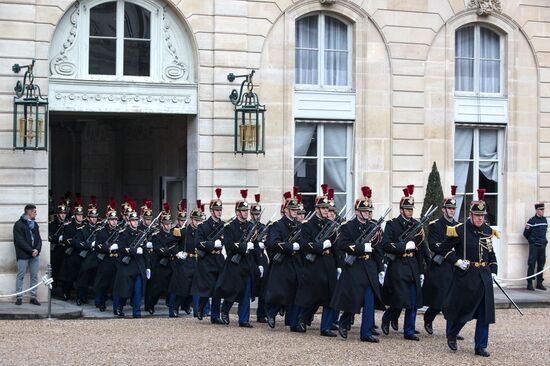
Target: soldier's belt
{"points": [[191, 255], [479, 264], [216, 252], [409, 254], [113, 255], [326, 251], [364, 257]]}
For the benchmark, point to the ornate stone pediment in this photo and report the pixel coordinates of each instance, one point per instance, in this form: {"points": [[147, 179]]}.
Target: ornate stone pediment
{"points": [[485, 7]]}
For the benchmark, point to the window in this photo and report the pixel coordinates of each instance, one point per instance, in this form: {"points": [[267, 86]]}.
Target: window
{"points": [[478, 60], [322, 153], [119, 39], [322, 51], [477, 165]]}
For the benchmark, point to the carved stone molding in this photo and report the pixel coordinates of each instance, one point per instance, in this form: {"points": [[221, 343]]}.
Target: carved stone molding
{"points": [[485, 7], [175, 69], [61, 64], [327, 2]]}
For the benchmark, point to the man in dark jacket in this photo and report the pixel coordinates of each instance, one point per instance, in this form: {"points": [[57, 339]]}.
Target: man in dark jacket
{"points": [[535, 233], [27, 241]]}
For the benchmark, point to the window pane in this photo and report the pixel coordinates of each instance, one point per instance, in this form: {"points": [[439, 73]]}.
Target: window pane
{"points": [[340, 201], [335, 174], [307, 68], [492, 209], [305, 174], [136, 58], [103, 20], [464, 62], [464, 42], [490, 44], [102, 56], [335, 140], [488, 150], [309, 203], [490, 186], [137, 21], [306, 32], [305, 140], [463, 143], [489, 76], [336, 68], [336, 34], [460, 205]]}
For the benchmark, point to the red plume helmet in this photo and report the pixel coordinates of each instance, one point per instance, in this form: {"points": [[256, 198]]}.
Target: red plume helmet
{"points": [[406, 192], [453, 190], [144, 201], [93, 201], [149, 204], [166, 207], [112, 203], [410, 188], [244, 193], [199, 204], [365, 191], [481, 193], [299, 197], [295, 190], [257, 197], [331, 194], [132, 204], [287, 195], [218, 192], [369, 192], [324, 188], [78, 201], [202, 207]]}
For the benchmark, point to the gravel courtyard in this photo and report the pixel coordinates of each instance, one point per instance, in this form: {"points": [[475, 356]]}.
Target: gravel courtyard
{"points": [[514, 340]]}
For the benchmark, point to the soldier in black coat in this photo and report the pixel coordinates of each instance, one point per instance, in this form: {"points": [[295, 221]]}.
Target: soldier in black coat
{"points": [[404, 275], [469, 248], [357, 286], [84, 243], [56, 230], [440, 273], [210, 260], [261, 258], [282, 280], [317, 277]]}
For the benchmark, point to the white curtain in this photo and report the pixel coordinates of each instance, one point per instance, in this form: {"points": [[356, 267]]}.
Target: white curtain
{"points": [[489, 63], [464, 62], [302, 141], [488, 151], [463, 150], [336, 52], [307, 52]]}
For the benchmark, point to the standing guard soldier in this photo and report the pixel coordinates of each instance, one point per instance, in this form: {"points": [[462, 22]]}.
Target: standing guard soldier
{"points": [[404, 275], [535, 233], [282, 280], [318, 273], [210, 260], [440, 273], [357, 286], [261, 259], [71, 261], [56, 230], [469, 248], [107, 257]]}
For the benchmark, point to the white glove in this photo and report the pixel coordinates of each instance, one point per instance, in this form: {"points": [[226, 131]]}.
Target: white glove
{"points": [[180, 255], [149, 245], [368, 248], [139, 250], [381, 277], [421, 280], [295, 246], [218, 243], [410, 245], [148, 273], [327, 244], [261, 245], [494, 276], [462, 264], [249, 245], [60, 237], [261, 268], [338, 273], [113, 247], [93, 244]]}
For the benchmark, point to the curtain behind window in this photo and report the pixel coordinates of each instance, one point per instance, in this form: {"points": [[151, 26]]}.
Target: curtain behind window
{"points": [[336, 52], [464, 63], [307, 52], [489, 63], [463, 150]]}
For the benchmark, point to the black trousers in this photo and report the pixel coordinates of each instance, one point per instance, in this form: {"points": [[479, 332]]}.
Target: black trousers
{"points": [[537, 255]]}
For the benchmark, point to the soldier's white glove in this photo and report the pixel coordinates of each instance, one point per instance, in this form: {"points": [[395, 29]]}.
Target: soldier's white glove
{"points": [[410, 245], [381, 276], [261, 268], [218, 243], [60, 237], [494, 276], [148, 273], [249, 245], [295, 246], [421, 280], [368, 248], [338, 273], [327, 244], [462, 264], [93, 244], [139, 250], [261, 245], [113, 247], [149, 245], [180, 255]]}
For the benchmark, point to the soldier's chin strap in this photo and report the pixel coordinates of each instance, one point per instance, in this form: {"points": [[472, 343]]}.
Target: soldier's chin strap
{"points": [[47, 281]]}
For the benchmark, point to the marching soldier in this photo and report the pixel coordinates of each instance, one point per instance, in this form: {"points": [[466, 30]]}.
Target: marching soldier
{"points": [[56, 229], [210, 260], [469, 248], [357, 286], [107, 257], [318, 273], [404, 275], [440, 273], [71, 261], [282, 281], [535, 233], [261, 259], [301, 213]]}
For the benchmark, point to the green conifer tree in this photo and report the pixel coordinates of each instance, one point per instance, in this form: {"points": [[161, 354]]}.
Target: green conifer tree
{"points": [[434, 193]]}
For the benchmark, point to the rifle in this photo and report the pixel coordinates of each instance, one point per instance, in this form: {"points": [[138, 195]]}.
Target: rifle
{"points": [[138, 241], [91, 238], [262, 234], [367, 237], [408, 234], [113, 237], [56, 234], [325, 232], [236, 258], [214, 235]]}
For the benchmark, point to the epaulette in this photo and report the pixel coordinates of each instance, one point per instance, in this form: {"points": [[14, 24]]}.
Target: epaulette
{"points": [[451, 231], [176, 232], [67, 223], [121, 230], [433, 221], [80, 228], [496, 233]]}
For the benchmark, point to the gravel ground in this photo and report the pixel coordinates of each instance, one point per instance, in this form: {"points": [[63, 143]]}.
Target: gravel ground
{"points": [[514, 340]]}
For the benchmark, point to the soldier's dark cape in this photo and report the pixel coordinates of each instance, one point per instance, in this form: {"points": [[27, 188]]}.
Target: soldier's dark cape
{"points": [[211, 264]]}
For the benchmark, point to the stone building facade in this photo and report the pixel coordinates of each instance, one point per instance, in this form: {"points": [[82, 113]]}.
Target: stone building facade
{"points": [[357, 93]]}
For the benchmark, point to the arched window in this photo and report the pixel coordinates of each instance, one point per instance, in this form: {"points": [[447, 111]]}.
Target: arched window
{"points": [[119, 39], [478, 60], [323, 51]]}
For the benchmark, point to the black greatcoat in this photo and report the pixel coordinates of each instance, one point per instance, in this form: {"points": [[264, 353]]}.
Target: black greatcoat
{"points": [[469, 287], [317, 280], [90, 261], [261, 259], [56, 228], [183, 269], [438, 276], [106, 269], [282, 278], [402, 271], [210, 260], [165, 246], [232, 280], [355, 279], [127, 273], [72, 260]]}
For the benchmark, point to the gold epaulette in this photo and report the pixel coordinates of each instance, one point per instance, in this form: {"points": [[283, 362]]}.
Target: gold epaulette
{"points": [[451, 231], [433, 222], [496, 233], [176, 232]]}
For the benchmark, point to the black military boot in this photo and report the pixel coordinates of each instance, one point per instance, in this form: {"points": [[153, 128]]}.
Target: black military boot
{"points": [[530, 285], [429, 327], [271, 321], [225, 317], [343, 331], [540, 286], [451, 342], [482, 352], [302, 327], [385, 327], [394, 324]]}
